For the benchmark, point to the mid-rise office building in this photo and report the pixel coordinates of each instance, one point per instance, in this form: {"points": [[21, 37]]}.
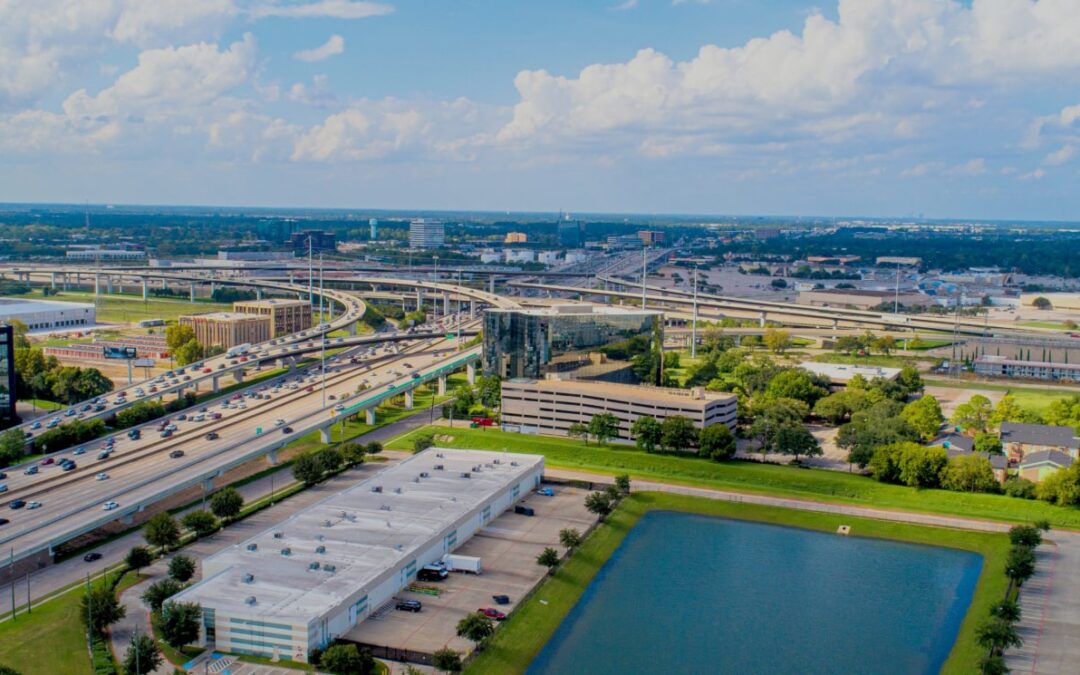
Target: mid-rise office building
{"points": [[228, 329], [286, 316], [426, 233], [311, 579], [552, 406], [623, 241], [571, 233], [7, 376], [572, 341], [652, 237], [319, 241], [516, 238]]}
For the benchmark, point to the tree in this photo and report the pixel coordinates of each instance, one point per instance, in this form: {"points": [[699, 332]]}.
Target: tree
{"points": [[795, 439], [181, 568], [993, 665], [423, 442], [12, 446], [603, 427], [161, 590], [1025, 535], [1041, 303], [997, 634], [330, 460], [226, 504], [1008, 610], [142, 656], [162, 531], [549, 558], [569, 538], [578, 430], [716, 442], [447, 660], [346, 659], [189, 352], [975, 414], [837, 407], [988, 443], [884, 344], [307, 469], [139, 557], [1020, 564], [924, 416], [200, 522], [1021, 488], [598, 503], [798, 384], [622, 481], [1062, 487], [677, 433], [179, 623], [777, 341], [352, 453], [99, 609], [178, 334], [969, 473], [476, 628], [921, 466], [646, 432]]}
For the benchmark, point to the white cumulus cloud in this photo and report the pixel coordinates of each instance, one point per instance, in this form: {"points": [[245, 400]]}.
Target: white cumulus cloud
{"points": [[332, 47], [334, 9]]}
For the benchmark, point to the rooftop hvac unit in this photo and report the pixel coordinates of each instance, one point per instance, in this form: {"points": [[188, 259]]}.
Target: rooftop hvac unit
{"points": [[425, 474], [465, 474], [286, 551], [513, 463], [344, 514], [397, 490], [319, 537], [327, 523], [279, 535], [376, 488], [320, 549], [397, 547], [250, 600], [249, 578], [416, 480], [439, 467], [330, 568], [489, 465], [497, 461], [476, 468], [438, 454], [313, 566], [384, 507], [253, 547]]}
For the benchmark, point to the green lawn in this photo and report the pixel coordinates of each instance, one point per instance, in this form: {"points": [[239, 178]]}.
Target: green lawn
{"points": [[118, 308], [43, 404], [926, 344], [1055, 325], [887, 361], [788, 481], [517, 642], [1037, 400]]}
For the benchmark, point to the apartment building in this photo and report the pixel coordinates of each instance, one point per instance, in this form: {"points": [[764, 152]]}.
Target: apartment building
{"points": [[998, 366], [286, 316], [551, 406]]}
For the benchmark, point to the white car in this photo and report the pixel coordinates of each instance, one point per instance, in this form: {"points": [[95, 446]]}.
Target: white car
{"points": [[33, 505], [102, 476], [109, 506], [279, 423]]}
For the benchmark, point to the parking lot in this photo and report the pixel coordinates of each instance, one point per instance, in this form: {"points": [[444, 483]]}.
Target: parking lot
{"points": [[508, 548]]}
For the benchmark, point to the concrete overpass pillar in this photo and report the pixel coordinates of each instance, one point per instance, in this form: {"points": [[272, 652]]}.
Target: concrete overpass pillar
{"points": [[369, 416], [761, 320], [835, 325], [145, 289], [271, 458], [472, 309], [108, 284], [238, 374], [292, 364], [52, 279], [208, 485], [491, 284], [419, 298], [129, 519], [78, 279], [258, 294], [215, 384], [213, 287], [409, 400], [193, 291], [446, 304], [353, 328], [442, 385], [470, 373], [324, 434], [97, 283]]}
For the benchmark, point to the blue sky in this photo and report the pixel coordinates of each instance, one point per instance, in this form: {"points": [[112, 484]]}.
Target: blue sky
{"points": [[847, 107]]}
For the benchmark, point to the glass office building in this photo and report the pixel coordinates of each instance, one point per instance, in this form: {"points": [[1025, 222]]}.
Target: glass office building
{"points": [[7, 377], [572, 342]]}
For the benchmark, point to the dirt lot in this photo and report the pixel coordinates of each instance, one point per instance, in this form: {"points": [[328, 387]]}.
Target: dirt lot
{"points": [[508, 548]]}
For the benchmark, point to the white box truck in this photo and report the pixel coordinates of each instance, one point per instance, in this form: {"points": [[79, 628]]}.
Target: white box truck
{"points": [[462, 563]]}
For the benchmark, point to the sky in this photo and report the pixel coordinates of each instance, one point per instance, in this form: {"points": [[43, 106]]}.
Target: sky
{"points": [[890, 108]]}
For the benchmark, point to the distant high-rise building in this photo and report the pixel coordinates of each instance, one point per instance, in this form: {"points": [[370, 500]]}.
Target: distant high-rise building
{"points": [[276, 230], [320, 240], [652, 237], [516, 238], [571, 233], [426, 233], [374, 223]]}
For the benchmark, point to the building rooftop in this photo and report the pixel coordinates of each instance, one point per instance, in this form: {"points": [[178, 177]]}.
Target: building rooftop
{"points": [[841, 373], [626, 391], [365, 534], [1039, 434], [270, 302], [950, 441], [225, 316], [1001, 360], [1047, 457], [21, 306], [579, 309]]}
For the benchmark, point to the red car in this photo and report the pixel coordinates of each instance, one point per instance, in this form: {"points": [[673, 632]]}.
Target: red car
{"points": [[207, 370], [492, 613], [47, 461]]}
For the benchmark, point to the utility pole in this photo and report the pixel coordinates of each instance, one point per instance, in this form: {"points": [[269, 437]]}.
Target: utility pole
{"points": [[896, 298], [644, 272], [323, 333], [693, 325], [310, 274]]}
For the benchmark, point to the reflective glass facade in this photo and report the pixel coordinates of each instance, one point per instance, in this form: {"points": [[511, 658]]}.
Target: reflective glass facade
{"points": [[571, 343], [7, 377]]}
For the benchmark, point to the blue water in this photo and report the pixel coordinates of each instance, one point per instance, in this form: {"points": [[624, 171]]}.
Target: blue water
{"points": [[695, 594]]}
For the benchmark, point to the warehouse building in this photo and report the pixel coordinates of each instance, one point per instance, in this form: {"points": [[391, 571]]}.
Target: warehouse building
{"points": [[42, 316], [309, 580], [989, 365], [228, 329], [286, 316], [552, 406], [862, 299]]}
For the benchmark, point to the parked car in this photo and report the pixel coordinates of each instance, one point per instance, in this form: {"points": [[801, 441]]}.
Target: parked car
{"points": [[408, 605], [4, 521], [492, 613]]}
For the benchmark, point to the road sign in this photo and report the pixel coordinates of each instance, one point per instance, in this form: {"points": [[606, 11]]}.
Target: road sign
{"points": [[143, 363], [258, 430], [450, 336], [120, 352]]}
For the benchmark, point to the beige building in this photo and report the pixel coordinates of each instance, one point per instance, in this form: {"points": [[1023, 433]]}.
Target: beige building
{"points": [[228, 329], [1066, 302], [551, 406], [861, 299], [286, 316]]}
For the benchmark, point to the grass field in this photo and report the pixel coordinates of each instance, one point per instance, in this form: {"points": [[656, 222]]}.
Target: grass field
{"points": [[788, 481], [52, 639], [1037, 400], [521, 638], [118, 308], [887, 361], [1054, 325]]}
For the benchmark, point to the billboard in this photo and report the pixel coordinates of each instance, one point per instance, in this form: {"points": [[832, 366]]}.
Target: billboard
{"points": [[119, 352]]}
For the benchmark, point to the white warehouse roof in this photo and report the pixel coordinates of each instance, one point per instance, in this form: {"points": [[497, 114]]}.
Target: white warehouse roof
{"points": [[16, 306], [366, 534]]}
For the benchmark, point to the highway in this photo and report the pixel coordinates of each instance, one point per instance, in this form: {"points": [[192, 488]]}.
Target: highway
{"points": [[141, 472]]}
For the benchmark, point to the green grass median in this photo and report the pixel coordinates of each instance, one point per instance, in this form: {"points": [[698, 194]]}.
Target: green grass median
{"points": [[517, 642], [786, 481]]}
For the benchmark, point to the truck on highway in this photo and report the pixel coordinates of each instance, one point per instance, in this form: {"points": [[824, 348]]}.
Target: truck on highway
{"points": [[462, 563], [237, 350]]}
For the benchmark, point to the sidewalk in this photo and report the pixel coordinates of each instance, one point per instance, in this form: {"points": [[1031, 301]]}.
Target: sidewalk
{"points": [[138, 615]]}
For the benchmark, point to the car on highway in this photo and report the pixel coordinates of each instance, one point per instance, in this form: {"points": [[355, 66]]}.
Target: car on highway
{"points": [[35, 426], [68, 465], [33, 505], [408, 605], [212, 436], [176, 454], [492, 613], [17, 504], [279, 423], [79, 451], [181, 417], [47, 461], [30, 470], [286, 430], [339, 407], [91, 557], [4, 521], [208, 370], [3, 488], [101, 476], [165, 433], [2, 475], [104, 454], [109, 506]]}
